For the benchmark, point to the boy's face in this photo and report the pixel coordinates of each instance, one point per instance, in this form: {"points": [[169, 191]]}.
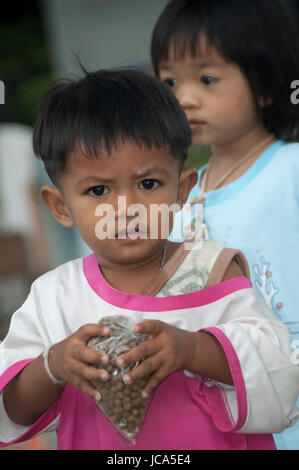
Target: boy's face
{"points": [[98, 196], [214, 93]]}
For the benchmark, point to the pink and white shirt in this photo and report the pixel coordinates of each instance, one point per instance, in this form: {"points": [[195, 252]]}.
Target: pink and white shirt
{"points": [[186, 412]]}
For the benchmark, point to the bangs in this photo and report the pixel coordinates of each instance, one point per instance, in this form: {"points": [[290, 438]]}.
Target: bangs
{"points": [[103, 110], [182, 33]]}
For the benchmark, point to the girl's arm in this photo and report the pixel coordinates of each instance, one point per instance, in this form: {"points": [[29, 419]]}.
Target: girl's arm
{"points": [[30, 393]]}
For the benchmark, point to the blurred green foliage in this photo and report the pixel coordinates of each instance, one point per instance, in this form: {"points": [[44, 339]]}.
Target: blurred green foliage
{"points": [[25, 66], [198, 156]]}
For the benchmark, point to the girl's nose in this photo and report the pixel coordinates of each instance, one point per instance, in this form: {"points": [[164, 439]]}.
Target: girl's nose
{"points": [[188, 96]]}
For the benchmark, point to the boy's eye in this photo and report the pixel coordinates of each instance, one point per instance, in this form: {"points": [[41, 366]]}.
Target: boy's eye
{"points": [[149, 184], [170, 82], [98, 190], [207, 80]]}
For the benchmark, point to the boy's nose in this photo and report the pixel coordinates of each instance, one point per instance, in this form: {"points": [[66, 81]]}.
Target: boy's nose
{"points": [[128, 209], [123, 203]]}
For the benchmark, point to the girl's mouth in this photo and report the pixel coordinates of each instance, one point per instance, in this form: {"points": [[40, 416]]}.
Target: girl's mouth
{"points": [[195, 123]]}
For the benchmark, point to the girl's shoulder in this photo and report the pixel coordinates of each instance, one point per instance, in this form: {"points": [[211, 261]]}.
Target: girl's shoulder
{"points": [[290, 151], [291, 146], [286, 162]]}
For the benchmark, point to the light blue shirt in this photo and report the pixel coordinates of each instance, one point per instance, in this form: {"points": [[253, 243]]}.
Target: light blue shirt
{"points": [[259, 214]]}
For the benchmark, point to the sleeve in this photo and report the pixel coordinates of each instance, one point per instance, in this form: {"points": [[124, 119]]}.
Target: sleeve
{"points": [[259, 353], [23, 343]]}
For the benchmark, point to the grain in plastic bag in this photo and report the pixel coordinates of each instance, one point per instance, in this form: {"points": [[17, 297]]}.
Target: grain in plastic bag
{"points": [[121, 403]]}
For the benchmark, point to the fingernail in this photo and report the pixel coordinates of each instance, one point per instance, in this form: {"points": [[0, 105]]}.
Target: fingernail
{"points": [[98, 396], [127, 379], [145, 395], [120, 362], [136, 328], [106, 330], [105, 359], [103, 375]]}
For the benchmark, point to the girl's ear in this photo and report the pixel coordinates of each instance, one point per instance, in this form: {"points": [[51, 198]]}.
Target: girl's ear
{"points": [[188, 180], [54, 200], [264, 102]]}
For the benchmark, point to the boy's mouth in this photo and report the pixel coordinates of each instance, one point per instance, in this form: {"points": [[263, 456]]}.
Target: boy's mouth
{"points": [[130, 235]]}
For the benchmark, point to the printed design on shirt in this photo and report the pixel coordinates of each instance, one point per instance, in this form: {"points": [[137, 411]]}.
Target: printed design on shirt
{"points": [[266, 287], [184, 282], [227, 236]]}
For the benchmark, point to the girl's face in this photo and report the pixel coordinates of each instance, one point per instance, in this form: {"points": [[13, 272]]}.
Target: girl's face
{"points": [[117, 230], [214, 93]]}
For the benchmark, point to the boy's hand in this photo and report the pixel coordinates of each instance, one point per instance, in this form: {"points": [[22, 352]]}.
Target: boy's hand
{"points": [[168, 350], [73, 362]]}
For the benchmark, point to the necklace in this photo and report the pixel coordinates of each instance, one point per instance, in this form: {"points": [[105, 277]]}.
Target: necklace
{"points": [[203, 193], [163, 256]]}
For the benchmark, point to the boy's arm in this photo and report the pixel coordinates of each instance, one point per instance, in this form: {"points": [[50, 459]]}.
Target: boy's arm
{"points": [[202, 355], [257, 348], [211, 360], [30, 393], [214, 362]]}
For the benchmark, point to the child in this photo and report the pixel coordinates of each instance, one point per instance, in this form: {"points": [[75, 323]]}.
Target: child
{"points": [[233, 66], [214, 353]]}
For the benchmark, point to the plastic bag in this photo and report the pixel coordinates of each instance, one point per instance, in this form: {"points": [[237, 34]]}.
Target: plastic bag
{"points": [[121, 403]]}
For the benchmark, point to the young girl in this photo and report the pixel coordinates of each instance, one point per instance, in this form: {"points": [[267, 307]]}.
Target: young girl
{"points": [[215, 349], [233, 66]]}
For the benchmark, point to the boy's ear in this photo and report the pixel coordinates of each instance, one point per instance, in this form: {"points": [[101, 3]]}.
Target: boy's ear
{"points": [[188, 180], [54, 200]]}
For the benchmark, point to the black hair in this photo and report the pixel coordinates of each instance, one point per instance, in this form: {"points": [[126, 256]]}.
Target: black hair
{"points": [[257, 35], [101, 110]]}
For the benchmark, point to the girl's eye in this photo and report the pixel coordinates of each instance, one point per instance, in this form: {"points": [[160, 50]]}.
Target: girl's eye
{"points": [[149, 184], [98, 190], [170, 82], [207, 80]]}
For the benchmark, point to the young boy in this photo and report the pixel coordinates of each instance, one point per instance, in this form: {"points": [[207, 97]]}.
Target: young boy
{"points": [[115, 142]]}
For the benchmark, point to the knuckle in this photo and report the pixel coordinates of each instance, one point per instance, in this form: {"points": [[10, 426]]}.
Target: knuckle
{"points": [[79, 371], [77, 382], [168, 341], [83, 387], [71, 344], [78, 353], [90, 373], [144, 349], [148, 365], [80, 332], [155, 381], [85, 330]]}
